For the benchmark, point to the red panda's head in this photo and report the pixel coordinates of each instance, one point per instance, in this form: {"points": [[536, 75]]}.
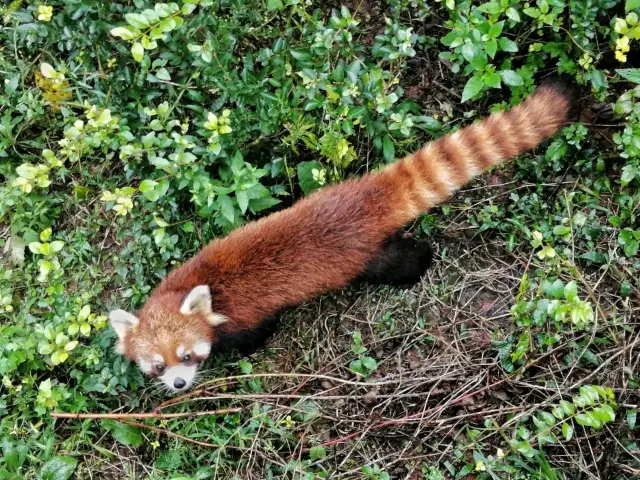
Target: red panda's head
{"points": [[171, 337]]}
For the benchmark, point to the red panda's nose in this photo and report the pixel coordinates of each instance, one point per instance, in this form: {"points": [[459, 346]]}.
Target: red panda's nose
{"points": [[179, 383]]}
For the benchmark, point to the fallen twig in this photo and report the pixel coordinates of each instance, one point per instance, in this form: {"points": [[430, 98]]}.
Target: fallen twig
{"points": [[116, 416]]}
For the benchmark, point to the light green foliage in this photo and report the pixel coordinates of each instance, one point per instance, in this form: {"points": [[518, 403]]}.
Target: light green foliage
{"points": [[593, 407], [363, 365], [374, 472], [543, 312]]}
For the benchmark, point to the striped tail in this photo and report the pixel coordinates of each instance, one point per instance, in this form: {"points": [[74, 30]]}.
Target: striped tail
{"points": [[434, 173]]}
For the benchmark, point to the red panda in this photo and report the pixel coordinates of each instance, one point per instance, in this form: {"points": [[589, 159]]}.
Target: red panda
{"points": [[232, 288]]}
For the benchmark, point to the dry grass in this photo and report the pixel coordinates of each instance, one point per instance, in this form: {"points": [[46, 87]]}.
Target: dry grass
{"points": [[437, 374]]}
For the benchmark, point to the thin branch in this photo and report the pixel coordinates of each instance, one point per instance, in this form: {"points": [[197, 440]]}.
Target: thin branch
{"points": [[116, 416]]}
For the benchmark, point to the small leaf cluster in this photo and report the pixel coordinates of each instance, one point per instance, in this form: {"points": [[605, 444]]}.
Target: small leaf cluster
{"points": [[592, 408], [544, 314], [476, 37], [363, 365]]}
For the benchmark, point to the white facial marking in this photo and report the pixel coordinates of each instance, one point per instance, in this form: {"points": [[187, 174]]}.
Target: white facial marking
{"points": [[202, 349], [176, 373], [144, 365], [180, 351], [158, 358]]}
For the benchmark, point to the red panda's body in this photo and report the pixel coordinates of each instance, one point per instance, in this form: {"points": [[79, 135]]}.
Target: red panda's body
{"points": [[324, 241]]}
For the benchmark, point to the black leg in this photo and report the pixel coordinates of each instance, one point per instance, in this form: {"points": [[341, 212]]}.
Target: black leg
{"points": [[402, 262], [247, 342]]}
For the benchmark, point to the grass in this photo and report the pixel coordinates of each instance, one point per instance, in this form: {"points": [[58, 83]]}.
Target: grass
{"points": [[132, 133]]}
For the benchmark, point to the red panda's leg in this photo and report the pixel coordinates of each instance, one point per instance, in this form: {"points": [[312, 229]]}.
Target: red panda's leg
{"points": [[401, 262], [247, 341]]}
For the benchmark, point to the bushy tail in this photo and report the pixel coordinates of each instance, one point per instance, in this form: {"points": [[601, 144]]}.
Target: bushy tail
{"points": [[431, 175]]}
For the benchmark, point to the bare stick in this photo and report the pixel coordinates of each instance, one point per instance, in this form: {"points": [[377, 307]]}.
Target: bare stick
{"points": [[116, 416]]}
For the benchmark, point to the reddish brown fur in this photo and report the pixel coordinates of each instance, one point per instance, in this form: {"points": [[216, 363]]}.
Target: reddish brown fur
{"points": [[324, 241]]}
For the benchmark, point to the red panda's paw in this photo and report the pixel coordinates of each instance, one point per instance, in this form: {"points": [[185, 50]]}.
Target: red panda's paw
{"points": [[402, 262]]}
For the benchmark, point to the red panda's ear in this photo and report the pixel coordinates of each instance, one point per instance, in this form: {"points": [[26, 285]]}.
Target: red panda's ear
{"points": [[122, 322], [198, 301]]}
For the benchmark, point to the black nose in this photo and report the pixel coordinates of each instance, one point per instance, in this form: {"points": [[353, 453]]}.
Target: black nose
{"points": [[179, 383]]}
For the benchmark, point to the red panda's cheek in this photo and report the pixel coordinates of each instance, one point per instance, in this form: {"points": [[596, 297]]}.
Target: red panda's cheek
{"points": [[145, 366]]}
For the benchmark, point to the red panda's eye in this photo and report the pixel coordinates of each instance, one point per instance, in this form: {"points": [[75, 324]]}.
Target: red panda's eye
{"points": [[186, 358], [159, 368]]}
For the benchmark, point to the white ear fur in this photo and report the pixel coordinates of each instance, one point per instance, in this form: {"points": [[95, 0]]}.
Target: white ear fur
{"points": [[199, 301], [122, 322]]}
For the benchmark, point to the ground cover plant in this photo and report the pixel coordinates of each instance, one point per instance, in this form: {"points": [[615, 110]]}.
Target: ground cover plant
{"points": [[131, 133]]}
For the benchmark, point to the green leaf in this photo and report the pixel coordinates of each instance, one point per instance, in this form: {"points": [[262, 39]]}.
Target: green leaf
{"points": [[137, 20], [26, 170], [469, 51], [604, 413], [491, 47], [513, 14], [151, 16], [227, 208], [631, 418], [464, 471], [496, 29], [305, 176], [511, 78], [167, 25], [187, 8], [472, 88], [56, 246], [122, 32], [369, 363], [556, 289], [59, 357], [571, 290], [45, 348], [548, 418], [507, 45], [567, 431], [84, 313], [245, 367], [35, 247], [631, 74], [147, 43], [123, 433], [388, 149], [58, 468], [259, 204], [147, 185], [163, 74], [207, 57], [631, 5], [166, 9], [137, 51], [492, 80], [594, 257], [317, 453], [243, 200], [274, 5]]}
